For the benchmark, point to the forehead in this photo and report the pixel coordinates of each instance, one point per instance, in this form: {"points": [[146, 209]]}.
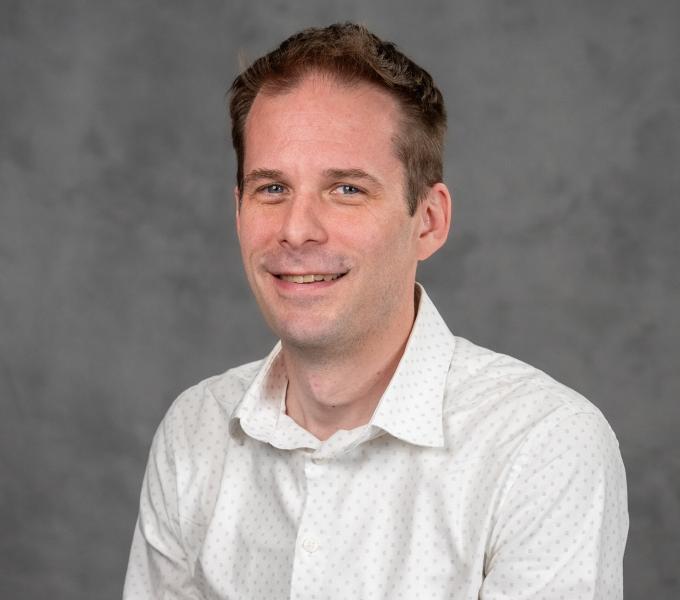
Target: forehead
{"points": [[323, 92], [319, 115]]}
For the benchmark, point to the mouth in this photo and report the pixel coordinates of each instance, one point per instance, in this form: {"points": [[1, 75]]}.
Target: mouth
{"points": [[308, 278]]}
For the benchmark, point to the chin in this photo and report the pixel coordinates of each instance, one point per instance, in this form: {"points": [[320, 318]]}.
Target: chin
{"points": [[300, 324], [307, 339], [310, 338]]}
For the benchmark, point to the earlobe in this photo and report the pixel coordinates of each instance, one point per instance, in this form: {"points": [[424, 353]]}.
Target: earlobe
{"points": [[435, 215]]}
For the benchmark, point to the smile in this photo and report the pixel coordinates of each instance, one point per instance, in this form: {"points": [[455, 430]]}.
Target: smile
{"points": [[310, 278]]}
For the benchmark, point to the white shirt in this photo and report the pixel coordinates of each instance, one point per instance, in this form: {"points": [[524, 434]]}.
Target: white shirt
{"points": [[478, 477]]}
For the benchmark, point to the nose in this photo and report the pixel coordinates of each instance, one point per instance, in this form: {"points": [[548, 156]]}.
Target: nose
{"points": [[302, 222]]}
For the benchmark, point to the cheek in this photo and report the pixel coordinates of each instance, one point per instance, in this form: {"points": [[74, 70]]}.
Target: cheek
{"points": [[254, 232], [394, 240], [384, 254]]}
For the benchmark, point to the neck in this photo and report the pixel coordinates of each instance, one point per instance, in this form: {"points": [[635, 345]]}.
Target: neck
{"points": [[341, 391]]}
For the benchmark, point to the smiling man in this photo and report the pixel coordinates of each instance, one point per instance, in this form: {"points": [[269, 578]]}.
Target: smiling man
{"points": [[372, 454]]}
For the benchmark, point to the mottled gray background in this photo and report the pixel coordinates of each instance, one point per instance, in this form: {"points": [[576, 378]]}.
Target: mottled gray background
{"points": [[119, 272]]}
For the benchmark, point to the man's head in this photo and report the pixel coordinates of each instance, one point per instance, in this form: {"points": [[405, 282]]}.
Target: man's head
{"points": [[350, 53], [329, 247]]}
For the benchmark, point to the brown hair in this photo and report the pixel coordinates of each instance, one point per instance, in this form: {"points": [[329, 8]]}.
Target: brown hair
{"points": [[352, 53]]}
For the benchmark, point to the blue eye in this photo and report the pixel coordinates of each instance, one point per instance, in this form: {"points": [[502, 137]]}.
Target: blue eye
{"points": [[274, 188], [348, 189]]}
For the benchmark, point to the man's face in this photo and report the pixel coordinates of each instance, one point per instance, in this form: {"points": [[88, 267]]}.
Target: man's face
{"points": [[328, 246]]}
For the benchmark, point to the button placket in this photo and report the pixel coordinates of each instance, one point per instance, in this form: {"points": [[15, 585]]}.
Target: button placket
{"points": [[309, 560], [313, 470]]}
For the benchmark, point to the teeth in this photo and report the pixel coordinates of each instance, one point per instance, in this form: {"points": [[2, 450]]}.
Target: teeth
{"points": [[309, 278]]}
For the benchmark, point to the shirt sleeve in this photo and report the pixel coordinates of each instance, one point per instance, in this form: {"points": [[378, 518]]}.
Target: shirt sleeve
{"points": [[561, 527], [158, 567]]}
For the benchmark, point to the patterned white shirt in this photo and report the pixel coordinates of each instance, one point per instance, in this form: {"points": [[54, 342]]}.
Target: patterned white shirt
{"points": [[478, 477]]}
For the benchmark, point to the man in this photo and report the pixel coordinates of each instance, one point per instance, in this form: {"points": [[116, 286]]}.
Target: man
{"points": [[372, 454]]}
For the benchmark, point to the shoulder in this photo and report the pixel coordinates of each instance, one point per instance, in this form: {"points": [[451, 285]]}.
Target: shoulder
{"points": [[203, 410], [500, 401], [482, 376], [191, 443]]}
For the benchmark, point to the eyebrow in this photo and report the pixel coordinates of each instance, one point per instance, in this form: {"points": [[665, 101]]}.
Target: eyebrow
{"points": [[350, 174], [270, 174], [260, 174]]}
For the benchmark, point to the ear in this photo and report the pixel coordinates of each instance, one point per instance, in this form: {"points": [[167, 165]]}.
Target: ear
{"points": [[434, 215], [237, 207]]}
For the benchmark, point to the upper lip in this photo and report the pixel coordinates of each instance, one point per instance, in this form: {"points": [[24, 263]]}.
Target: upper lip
{"points": [[318, 262], [309, 272]]}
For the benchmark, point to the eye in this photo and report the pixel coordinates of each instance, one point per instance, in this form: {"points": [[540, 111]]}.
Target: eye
{"points": [[347, 190], [270, 193], [273, 188]]}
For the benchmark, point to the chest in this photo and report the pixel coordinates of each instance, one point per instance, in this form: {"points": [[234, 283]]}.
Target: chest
{"points": [[386, 520]]}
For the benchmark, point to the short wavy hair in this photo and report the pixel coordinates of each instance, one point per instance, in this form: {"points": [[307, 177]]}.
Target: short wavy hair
{"points": [[350, 52]]}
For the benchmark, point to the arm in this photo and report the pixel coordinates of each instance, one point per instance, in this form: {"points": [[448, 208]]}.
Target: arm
{"points": [[561, 526], [158, 567]]}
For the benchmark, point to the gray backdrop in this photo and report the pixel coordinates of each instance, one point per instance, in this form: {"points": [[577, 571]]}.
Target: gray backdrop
{"points": [[120, 278]]}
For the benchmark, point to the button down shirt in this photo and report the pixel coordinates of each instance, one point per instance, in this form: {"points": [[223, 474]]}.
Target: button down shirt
{"points": [[477, 477]]}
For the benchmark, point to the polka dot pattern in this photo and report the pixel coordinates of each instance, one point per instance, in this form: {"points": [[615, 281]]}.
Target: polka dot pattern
{"points": [[478, 477]]}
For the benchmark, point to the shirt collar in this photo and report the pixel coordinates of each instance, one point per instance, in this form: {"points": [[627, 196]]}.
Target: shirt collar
{"points": [[411, 408], [264, 401]]}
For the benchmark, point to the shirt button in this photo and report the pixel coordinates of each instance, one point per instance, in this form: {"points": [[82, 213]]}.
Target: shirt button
{"points": [[310, 545]]}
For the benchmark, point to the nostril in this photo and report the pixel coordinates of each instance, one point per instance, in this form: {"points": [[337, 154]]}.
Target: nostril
{"points": [[302, 225]]}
